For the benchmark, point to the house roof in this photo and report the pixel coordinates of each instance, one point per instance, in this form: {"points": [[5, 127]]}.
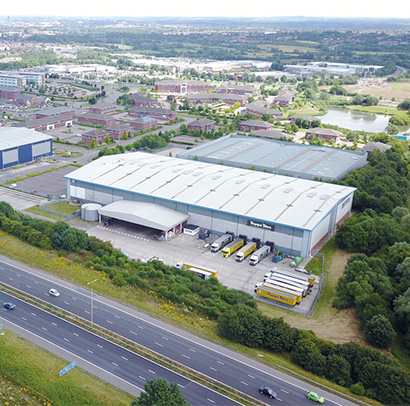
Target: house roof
{"points": [[371, 146], [324, 131], [257, 123], [201, 122]]}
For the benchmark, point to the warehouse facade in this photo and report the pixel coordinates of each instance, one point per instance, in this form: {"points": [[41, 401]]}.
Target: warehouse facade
{"points": [[22, 145], [297, 215]]}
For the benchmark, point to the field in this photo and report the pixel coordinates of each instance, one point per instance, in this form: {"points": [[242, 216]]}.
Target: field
{"points": [[378, 87]]}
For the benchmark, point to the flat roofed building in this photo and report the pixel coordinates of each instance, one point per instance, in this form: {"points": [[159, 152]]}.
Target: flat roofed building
{"points": [[56, 111], [297, 214], [46, 123], [280, 157], [22, 145], [182, 86]]}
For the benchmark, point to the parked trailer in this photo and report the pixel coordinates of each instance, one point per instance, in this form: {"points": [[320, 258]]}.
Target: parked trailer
{"points": [[283, 288], [259, 255], [232, 247], [245, 251], [202, 274], [221, 242], [186, 267], [292, 285], [276, 295], [310, 280], [290, 279]]}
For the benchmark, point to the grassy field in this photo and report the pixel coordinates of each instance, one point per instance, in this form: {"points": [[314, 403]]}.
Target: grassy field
{"points": [[33, 373], [326, 321], [36, 210]]}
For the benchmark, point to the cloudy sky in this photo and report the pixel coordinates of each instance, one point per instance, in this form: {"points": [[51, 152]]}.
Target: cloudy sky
{"points": [[208, 8]]}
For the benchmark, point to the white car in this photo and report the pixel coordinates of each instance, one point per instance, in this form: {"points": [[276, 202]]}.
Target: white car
{"points": [[54, 292]]}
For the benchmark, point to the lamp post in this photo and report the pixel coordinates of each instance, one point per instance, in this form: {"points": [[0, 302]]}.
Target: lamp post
{"points": [[91, 287]]}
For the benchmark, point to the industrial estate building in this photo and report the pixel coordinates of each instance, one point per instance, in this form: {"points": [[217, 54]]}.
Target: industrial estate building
{"points": [[21, 145], [165, 193], [279, 157]]}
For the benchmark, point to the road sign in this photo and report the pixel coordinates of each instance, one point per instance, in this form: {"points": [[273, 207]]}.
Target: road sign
{"points": [[66, 369]]}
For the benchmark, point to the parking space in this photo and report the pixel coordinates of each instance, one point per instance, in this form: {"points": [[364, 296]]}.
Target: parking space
{"points": [[137, 242]]}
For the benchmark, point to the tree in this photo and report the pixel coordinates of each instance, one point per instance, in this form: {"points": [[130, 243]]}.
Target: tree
{"points": [[92, 100], [379, 331], [159, 393]]}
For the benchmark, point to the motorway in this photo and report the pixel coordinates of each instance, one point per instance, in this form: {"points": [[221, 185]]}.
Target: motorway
{"points": [[215, 361]]}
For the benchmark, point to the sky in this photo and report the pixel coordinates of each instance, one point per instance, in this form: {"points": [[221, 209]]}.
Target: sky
{"points": [[208, 8]]}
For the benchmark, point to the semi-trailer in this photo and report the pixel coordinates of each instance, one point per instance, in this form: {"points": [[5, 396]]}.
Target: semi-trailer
{"points": [[186, 267], [232, 247], [221, 242], [245, 251], [309, 280], [276, 295], [278, 286], [259, 255], [291, 284]]}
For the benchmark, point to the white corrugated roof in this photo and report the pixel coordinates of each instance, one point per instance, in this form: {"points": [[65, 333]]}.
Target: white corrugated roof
{"points": [[12, 137], [272, 198]]}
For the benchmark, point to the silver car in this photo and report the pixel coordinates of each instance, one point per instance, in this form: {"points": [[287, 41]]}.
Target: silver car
{"points": [[54, 292]]}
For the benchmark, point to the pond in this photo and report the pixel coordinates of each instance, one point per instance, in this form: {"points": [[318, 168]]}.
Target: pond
{"points": [[356, 120]]}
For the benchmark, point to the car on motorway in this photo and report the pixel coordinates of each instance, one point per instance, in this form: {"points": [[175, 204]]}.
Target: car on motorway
{"points": [[9, 305], [268, 391], [54, 292], [315, 397]]}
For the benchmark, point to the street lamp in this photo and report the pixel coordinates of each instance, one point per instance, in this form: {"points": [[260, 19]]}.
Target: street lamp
{"points": [[91, 287]]}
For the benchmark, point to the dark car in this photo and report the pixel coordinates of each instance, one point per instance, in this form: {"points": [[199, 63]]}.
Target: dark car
{"points": [[268, 391], [9, 305]]}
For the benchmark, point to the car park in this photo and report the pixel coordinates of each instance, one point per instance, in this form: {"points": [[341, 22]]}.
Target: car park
{"points": [[315, 397], [54, 292], [9, 305], [268, 391]]}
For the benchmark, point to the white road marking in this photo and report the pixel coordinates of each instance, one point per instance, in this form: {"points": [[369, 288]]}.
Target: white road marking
{"points": [[73, 298], [117, 317], [24, 318], [213, 369], [141, 377], [210, 400], [186, 356], [28, 286], [66, 339], [244, 383], [54, 324], [283, 390], [44, 328], [108, 321], [33, 313], [66, 303], [90, 351], [183, 387], [191, 349], [251, 376], [87, 311], [133, 332], [152, 372], [76, 334], [10, 279], [126, 359], [220, 362], [116, 365], [166, 339], [99, 345], [158, 344], [142, 328]]}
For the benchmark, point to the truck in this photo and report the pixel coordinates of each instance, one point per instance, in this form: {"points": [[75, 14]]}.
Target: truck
{"points": [[197, 269], [289, 283], [277, 256], [275, 295], [232, 247], [245, 251], [258, 255], [297, 261], [221, 242]]}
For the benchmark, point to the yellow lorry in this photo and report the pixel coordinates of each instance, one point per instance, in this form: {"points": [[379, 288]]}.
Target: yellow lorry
{"points": [[245, 251], [232, 247], [199, 270], [276, 295]]}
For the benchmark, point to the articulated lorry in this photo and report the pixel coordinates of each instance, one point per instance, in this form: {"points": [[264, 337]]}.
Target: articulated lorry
{"points": [[186, 267], [221, 242], [282, 288], [232, 247], [275, 295], [308, 281], [245, 251], [258, 255]]}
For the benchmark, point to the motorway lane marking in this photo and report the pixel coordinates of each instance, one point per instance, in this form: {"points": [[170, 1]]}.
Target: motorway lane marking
{"points": [[76, 334], [245, 383], [66, 339], [90, 351], [28, 286], [99, 345], [87, 311], [166, 339], [141, 377], [36, 282], [183, 387], [158, 344], [142, 328], [191, 349], [280, 400], [186, 356], [133, 332], [24, 318], [220, 362], [210, 400], [66, 303], [72, 297], [152, 372], [251, 376], [10, 279], [213, 369], [54, 324], [126, 359], [116, 365], [117, 317], [108, 321], [44, 328], [33, 313], [283, 390]]}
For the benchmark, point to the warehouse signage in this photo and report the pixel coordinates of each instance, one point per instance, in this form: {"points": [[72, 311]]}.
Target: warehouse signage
{"points": [[259, 224]]}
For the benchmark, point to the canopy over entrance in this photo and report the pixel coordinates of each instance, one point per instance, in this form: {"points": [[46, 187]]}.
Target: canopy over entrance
{"points": [[145, 214]]}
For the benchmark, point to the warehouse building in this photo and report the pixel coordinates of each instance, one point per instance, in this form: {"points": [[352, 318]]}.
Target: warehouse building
{"points": [[21, 145], [297, 215], [279, 157]]}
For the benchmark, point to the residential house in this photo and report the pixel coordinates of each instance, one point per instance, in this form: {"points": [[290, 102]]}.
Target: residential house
{"points": [[371, 146]]}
